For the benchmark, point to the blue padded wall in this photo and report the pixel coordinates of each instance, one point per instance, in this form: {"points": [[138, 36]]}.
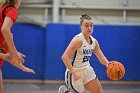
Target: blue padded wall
{"points": [[45, 46], [29, 40], [119, 43]]}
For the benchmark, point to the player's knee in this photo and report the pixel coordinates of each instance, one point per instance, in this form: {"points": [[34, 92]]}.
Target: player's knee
{"points": [[100, 91]]}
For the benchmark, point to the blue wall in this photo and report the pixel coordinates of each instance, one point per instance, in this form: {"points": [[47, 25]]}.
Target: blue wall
{"points": [[29, 40], [44, 47]]}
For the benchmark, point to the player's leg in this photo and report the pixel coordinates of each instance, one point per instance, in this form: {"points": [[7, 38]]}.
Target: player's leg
{"points": [[94, 86], [1, 82], [91, 81], [63, 89], [74, 86]]}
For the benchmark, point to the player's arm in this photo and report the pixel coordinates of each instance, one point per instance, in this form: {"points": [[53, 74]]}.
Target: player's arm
{"points": [[8, 22], [99, 54], [6, 56], [1, 55], [72, 47]]}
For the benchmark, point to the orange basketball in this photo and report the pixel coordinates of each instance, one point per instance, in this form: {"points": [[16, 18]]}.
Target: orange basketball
{"points": [[115, 70]]}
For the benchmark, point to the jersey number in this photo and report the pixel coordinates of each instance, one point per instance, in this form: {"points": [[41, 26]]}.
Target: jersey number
{"points": [[2, 50], [86, 58]]}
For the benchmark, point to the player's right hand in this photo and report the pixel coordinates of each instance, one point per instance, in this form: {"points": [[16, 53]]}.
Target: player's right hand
{"points": [[76, 76]]}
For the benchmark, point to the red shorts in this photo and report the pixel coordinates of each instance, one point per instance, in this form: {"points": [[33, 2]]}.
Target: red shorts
{"points": [[3, 49], [1, 62]]}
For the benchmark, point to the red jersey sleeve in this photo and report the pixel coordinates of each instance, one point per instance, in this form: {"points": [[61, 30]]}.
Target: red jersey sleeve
{"points": [[12, 13]]}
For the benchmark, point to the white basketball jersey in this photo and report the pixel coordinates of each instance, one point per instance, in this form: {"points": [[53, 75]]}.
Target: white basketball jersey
{"points": [[81, 57]]}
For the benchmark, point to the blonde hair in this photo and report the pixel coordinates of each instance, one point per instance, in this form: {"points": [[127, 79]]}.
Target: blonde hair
{"points": [[7, 1]]}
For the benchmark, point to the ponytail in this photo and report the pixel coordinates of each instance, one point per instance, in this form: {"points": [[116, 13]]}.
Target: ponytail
{"points": [[83, 17]]}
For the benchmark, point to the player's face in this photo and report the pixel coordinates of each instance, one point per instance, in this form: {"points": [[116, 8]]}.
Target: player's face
{"points": [[87, 26]]}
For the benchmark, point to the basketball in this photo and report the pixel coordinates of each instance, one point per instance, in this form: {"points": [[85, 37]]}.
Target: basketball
{"points": [[115, 70]]}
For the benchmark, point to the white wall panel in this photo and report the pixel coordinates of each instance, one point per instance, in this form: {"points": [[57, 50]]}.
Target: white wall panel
{"points": [[134, 3], [94, 2], [103, 11]]}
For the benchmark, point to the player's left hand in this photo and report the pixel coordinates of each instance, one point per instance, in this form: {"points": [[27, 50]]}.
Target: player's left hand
{"points": [[107, 64]]}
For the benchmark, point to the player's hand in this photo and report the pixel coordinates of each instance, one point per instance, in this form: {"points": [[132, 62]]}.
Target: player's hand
{"points": [[76, 76], [26, 69], [7, 56], [21, 66], [19, 57], [107, 64]]}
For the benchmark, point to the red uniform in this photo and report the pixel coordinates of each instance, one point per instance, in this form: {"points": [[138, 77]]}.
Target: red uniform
{"points": [[6, 11]]}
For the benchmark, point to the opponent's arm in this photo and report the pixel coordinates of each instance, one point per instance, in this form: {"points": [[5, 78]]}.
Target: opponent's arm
{"points": [[1, 56], [99, 54], [6, 57], [8, 22]]}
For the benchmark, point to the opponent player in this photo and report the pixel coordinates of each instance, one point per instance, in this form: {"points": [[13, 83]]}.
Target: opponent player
{"points": [[79, 74], [8, 51]]}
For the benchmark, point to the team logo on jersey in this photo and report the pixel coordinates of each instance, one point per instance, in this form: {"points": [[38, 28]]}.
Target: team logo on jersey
{"points": [[87, 51]]}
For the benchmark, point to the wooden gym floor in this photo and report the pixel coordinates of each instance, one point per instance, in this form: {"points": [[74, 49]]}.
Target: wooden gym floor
{"points": [[52, 87]]}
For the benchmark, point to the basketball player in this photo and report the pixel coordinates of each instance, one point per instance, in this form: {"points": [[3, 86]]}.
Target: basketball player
{"points": [[79, 74], [8, 51]]}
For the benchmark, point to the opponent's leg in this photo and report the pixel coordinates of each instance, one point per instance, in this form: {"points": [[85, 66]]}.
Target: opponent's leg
{"points": [[1, 82]]}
